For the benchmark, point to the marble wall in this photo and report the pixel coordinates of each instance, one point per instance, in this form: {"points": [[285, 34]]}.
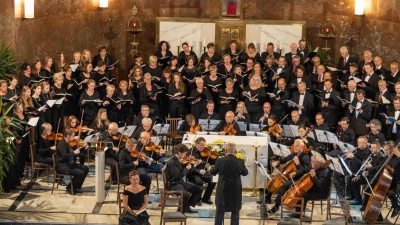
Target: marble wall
{"points": [[75, 25]]}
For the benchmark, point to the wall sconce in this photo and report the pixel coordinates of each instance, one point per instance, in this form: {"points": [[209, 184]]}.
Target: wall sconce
{"points": [[359, 7], [103, 4], [24, 9]]}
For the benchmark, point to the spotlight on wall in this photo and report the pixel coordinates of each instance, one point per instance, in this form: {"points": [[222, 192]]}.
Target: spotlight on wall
{"points": [[103, 4], [24, 9], [359, 7]]}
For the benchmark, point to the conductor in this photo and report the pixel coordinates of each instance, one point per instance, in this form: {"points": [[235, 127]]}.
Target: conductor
{"points": [[229, 189]]}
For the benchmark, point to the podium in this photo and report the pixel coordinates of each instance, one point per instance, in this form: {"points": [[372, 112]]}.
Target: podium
{"points": [[101, 147], [255, 147]]}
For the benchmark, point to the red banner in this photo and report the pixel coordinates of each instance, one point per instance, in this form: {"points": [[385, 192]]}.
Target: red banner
{"points": [[231, 8]]}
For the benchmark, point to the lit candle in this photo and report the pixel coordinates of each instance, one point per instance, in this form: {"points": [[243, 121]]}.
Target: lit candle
{"points": [[280, 45], [179, 41], [204, 43], [134, 25], [191, 42]]}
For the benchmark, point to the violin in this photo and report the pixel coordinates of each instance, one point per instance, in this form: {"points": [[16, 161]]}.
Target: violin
{"points": [[78, 142], [141, 156], [153, 147], [54, 136], [188, 159], [276, 131], [305, 148], [230, 129], [195, 128], [208, 153], [303, 185], [118, 136]]}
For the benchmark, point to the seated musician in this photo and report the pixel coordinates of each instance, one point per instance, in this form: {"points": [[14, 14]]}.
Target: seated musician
{"points": [[146, 127], [210, 113], [101, 122], [263, 118], [376, 134], [199, 173], [175, 172], [147, 146], [297, 119], [65, 162], [371, 168], [135, 199], [112, 153], [320, 122], [144, 113], [229, 126], [303, 135], [395, 185], [72, 122], [302, 162], [347, 135], [127, 164], [189, 126], [322, 181], [272, 128]]}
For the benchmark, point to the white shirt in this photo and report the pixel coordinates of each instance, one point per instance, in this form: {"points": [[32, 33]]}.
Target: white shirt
{"points": [[396, 115], [299, 80], [367, 77], [301, 101], [352, 96], [327, 95], [358, 106]]}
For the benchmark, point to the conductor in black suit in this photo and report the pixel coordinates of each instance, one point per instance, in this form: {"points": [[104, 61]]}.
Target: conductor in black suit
{"points": [[229, 190], [359, 113], [65, 163]]}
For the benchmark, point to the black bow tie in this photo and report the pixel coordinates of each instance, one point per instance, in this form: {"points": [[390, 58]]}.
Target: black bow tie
{"points": [[281, 67], [301, 93], [328, 92]]}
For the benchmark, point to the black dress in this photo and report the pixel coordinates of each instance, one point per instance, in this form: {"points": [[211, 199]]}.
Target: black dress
{"points": [[223, 108], [57, 111], [215, 95], [163, 59], [100, 79], [44, 97], [154, 72], [82, 77], [126, 112], [146, 100], [90, 108], [190, 74], [135, 202], [112, 110], [254, 108], [71, 106], [199, 107], [43, 151], [47, 75], [176, 107], [135, 88]]}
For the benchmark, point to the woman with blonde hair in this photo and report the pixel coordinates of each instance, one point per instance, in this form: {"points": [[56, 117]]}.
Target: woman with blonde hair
{"points": [[254, 97], [126, 111], [135, 83], [27, 103], [148, 95], [153, 69], [101, 122]]}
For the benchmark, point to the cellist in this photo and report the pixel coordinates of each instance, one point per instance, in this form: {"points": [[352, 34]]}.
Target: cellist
{"points": [[229, 126], [302, 162], [322, 181], [198, 174]]}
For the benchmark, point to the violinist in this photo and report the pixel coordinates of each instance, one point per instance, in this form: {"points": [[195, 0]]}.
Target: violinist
{"points": [[127, 164], [370, 171], [303, 135], [146, 127], [175, 172], [322, 181], [199, 174], [153, 156], [65, 162], [112, 154], [272, 128], [189, 126], [395, 185], [45, 149], [72, 123], [229, 126], [101, 122], [302, 162]]}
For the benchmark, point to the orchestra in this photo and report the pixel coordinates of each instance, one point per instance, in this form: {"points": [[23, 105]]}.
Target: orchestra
{"points": [[359, 104]]}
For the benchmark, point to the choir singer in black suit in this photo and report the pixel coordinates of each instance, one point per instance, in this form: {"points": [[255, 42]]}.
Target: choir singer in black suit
{"points": [[65, 163], [330, 108], [394, 111], [359, 113], [304, 101], [229, 189]]}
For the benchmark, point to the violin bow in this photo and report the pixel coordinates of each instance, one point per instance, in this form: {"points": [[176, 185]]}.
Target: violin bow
{"points": [[58, 126], [141, 150], [79, 133], [283, 118], [119, 143], [231, 127]]}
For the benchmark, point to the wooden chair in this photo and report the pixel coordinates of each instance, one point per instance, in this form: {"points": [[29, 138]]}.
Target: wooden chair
{"points": [[342, 210], [289, 220], [57, 176], [321, 201], [36, 165], [156, 177], [121, 202], [172, 197], [392, 208], [172, 135], [165, 181], [118, 185]]}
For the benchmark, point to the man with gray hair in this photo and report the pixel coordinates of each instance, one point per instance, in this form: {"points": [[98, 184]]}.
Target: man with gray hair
{"points": [[344, 63], [229, 190]]}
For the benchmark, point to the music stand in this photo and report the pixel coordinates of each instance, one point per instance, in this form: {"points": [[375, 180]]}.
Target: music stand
{"points": [[254, 133], [207, 133], [287, 131], [295, 130], [279, 149], [256, 127], [346, 146], [326, 137], [266, 177], [128, 130], [242, 125], [208, 125]]}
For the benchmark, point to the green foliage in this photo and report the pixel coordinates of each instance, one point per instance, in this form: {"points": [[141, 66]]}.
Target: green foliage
{"points": [[6, 143], [324, 57], [8, 65]]}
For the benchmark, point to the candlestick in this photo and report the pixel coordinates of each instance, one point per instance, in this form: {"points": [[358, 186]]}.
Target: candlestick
{"points": [[179, 41], [280, 45], [204, 43], [191, 42], [204, 49], [178, 49]]}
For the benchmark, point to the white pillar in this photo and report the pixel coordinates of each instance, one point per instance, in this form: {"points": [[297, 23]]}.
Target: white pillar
{"points": [[100, 170]]}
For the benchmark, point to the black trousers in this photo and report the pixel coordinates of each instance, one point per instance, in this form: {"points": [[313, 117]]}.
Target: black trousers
{"points": [[285, 187], [191, 193], [394, 188], [112, 163], [79, 173], [355, 187], [219, 218], [312, 196], [144, 179], [198, 180]]}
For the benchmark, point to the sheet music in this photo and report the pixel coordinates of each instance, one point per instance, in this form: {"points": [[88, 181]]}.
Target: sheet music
{"points": [[326, 137], [262, 170], [50, 103], [335, 165], [255, 127], [73, 67], [59, 101], [33, 121], [204, 124], [128, 131], [161, 128], [279, 149], [287, 131]]}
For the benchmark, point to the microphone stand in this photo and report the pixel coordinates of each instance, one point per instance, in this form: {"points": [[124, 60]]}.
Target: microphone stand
{"points": [[208, 125]]}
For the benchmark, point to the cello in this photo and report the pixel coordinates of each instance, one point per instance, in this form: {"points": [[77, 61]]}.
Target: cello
{"points": [[303, 185], [378, 195]]}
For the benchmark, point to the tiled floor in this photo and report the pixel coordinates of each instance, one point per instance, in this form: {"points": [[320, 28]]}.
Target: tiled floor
{"points": [[39, 206]]}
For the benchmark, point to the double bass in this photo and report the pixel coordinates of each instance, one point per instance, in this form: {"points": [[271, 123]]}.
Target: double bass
{"points": [[378, 195], [302, 186]]}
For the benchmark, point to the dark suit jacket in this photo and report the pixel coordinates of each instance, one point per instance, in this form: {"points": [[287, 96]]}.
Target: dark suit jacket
{"points": [[391, 113], [358, 123], [64, 157], [285, 74], [289, 57], [308, 104], [305, 78], [278, 108], [331, 112], [125, 162], [373, 88], [341, 65], [229, 189], [361, 66]]}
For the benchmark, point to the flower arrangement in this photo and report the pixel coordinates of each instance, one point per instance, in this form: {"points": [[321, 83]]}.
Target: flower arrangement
{"points": [[218, 146]]}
